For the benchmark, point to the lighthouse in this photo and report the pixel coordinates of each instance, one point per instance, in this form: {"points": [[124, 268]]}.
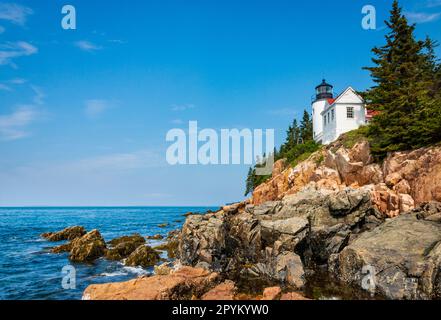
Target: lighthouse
{"points": [[333, 116], [323, 96]]}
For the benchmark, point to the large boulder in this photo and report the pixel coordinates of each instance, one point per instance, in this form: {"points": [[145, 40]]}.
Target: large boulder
{"points": [[334, 219], [222, 292], [355, 165], [122, 247], [155, 237], [203, 239], [417, 173], [403, 256], [70, 233], [389, 202], [277, 241], [287, 181], [135, 238], [179, 285], [288, 269], [272, 293], [88, 248], [143, 256], [171, 244], [62, 248]]}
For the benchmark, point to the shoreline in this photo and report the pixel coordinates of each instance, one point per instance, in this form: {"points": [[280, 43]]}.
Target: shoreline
{"points": [[315, 229]]}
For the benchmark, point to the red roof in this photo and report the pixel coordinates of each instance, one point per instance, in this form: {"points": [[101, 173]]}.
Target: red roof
{"points": [[371, 113], [331, 101]]}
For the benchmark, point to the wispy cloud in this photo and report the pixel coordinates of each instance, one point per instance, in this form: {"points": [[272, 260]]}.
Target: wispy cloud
{"points": [[421, 17], [96, 107], [15, 13], [4, 87], [14, 126], [17, 81], [117, 41], [39, 95], [7, 85], [182, 107], [12, 50], [87, 46]]}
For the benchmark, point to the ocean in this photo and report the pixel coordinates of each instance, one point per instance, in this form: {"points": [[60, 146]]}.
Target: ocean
{"points": [[28, 271]]}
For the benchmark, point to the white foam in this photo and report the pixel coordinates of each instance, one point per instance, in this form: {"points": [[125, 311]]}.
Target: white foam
{"points": [[136, 270], [113, 274]]}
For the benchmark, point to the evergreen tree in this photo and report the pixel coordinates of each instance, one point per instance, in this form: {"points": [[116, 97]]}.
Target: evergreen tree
{"points": [[292, 136], [428, 120], [294, 150], [306, 130], [250, 181], [401, 94]]}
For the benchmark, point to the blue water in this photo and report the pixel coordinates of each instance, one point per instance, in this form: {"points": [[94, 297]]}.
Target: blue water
{"points": [[27, 269]]}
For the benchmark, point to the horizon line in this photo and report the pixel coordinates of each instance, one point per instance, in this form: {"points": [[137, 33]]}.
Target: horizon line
{"points": [[90, 206]]}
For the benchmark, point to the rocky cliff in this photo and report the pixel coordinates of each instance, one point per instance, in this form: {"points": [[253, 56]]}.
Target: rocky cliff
{"points": [[332, 213], [372, 227], [403, 180]]}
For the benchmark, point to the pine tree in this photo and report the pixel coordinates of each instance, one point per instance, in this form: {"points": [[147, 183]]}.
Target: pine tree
{"points": [[249, 188], [428, 120], [401, 93], [306, 130], [293, 149], [291, 137], [432, 66]]}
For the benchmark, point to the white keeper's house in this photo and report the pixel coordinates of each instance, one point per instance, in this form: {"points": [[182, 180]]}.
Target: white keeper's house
{"points": [[333, 116]]}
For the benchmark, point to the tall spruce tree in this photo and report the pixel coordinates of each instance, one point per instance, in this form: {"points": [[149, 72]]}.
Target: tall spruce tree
{"points": [[292, 135], [402, 91], [293, 149], [428, 120], [306, 130], [249, 188]]}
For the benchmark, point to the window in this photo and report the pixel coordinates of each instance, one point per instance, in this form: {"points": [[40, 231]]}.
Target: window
{"points": [[325, 119], [329, 118], [350, 112], [333, 114]]}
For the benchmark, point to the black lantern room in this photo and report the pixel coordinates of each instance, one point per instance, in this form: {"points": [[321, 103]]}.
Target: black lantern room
{"points": [[324, 91]]}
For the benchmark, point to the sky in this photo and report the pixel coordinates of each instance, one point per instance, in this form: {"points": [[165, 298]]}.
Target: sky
{"points": [[84, 113]]}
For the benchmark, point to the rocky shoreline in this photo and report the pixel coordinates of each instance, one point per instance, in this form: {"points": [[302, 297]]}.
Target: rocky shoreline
{"points": [[338, 219], [86, 247]]}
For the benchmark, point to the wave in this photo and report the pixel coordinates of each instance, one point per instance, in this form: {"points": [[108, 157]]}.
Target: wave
{"points": [[137, 270], [113, 274]]}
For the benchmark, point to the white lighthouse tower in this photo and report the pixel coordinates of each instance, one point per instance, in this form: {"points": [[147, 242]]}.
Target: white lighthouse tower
{"points": [[323, 95]]}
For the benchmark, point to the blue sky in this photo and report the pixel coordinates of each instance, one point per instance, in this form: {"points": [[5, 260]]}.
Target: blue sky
{"points": [[84, 113]]}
